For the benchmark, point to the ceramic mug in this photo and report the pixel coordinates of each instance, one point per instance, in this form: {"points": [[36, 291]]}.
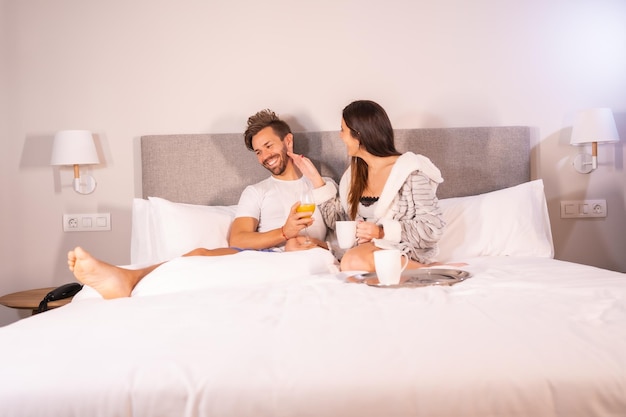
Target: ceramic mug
{"points": [[389, 265], [346, 233]]}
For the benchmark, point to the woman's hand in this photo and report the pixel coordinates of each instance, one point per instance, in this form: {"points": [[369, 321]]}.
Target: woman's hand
{"points": [[366, 231], [306, 167]]}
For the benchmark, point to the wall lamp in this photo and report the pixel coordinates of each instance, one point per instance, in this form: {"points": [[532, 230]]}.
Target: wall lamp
{"points": [[76, 147], [592, 126]]}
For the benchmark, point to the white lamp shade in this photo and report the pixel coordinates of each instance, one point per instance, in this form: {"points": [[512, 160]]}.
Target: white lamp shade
{"points": [[594, 125], [74, 147]]}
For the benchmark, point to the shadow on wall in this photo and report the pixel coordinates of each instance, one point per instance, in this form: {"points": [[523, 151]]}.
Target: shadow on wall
{"points": [[95, 242], [592, 241], [620, 123]]}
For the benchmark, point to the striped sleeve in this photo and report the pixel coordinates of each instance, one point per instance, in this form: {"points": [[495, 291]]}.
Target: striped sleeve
{"points": [[416, 208], [331, 209]]}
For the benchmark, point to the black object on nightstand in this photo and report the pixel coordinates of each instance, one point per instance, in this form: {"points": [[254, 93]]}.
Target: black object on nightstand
{"points": [[59, 293]]}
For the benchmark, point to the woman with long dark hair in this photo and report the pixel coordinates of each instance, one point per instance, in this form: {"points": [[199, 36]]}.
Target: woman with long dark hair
{"points": [[391, 195]]}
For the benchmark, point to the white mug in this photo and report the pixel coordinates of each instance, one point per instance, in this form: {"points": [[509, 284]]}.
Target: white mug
{"points": [[389, 265], [346, 233]]}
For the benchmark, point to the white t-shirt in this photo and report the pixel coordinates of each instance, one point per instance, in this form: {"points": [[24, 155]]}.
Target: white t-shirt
{"points": [[270, 200]]}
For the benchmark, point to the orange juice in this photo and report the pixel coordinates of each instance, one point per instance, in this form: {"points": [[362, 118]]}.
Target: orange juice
{"points": [[306, 207]]}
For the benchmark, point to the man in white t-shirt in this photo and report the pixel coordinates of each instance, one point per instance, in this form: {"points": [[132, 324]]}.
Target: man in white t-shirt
{"points": [[266, 214], [266, 218]]}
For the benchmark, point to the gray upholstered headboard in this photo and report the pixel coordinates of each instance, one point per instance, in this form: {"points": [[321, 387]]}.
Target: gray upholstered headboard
{"points": [[214, 168]]}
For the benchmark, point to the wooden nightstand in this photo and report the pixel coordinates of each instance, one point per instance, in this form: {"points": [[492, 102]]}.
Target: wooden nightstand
{"points": [[29, 300]]}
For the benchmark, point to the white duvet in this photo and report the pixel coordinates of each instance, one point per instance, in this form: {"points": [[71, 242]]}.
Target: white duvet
{"points": [[261, 334]]}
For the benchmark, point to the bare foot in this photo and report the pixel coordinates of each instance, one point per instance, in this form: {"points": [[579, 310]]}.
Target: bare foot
{"points": [[109, 280]]}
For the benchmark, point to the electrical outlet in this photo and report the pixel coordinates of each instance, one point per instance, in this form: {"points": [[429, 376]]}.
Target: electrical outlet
{"points": [[95, 222], [578, 209]]}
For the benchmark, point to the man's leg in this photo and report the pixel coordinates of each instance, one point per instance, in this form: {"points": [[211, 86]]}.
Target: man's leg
{"points": [[114, 282], [212, 252], [109, 280]]}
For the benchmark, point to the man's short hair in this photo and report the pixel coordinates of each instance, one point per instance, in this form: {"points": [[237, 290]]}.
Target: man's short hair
{"points": [[260, 121]]}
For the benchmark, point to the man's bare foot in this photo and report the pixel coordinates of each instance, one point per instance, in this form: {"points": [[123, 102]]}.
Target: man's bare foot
{"points": [[109, 280]]}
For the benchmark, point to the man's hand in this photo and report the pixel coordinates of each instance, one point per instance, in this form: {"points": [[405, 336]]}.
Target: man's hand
{"points": [[296, 221]]}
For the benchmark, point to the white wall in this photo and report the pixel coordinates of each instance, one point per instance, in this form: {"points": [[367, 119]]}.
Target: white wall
{"points": [[125, 68]]}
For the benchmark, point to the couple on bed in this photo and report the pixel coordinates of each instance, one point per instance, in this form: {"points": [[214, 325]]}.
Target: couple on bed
{"points": [[392, 195]]}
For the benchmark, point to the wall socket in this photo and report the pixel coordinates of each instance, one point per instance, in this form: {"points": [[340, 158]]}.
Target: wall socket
{"points": [[94, 222], [579, 209]]}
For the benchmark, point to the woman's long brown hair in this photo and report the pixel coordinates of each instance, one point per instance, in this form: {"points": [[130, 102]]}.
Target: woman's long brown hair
{"points": [[369, 124]]}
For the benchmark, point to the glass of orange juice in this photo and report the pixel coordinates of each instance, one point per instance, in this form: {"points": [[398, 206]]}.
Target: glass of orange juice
{"points": [[307, 204]]}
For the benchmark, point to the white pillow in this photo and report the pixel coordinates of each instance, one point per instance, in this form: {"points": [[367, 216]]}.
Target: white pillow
{"points": [[178, 228], [141, 239], [162, 230], [508, 222]]}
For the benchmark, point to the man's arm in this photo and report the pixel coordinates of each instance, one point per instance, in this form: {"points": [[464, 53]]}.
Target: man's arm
{"points": [[244, 234]]}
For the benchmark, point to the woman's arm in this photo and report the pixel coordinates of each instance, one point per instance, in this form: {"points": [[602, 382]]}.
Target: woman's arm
{"points": [[324, 190], [332, 211], [418, 216]]}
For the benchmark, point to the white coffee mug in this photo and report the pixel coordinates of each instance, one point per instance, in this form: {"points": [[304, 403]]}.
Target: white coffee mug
{"points": [[346, 233], [389, 265]]}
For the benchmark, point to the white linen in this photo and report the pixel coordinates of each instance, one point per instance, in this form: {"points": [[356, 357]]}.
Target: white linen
{"points": [[179, 228], [522, 337], [141, 235], [244, 269], [512, 221], [163, 230]]}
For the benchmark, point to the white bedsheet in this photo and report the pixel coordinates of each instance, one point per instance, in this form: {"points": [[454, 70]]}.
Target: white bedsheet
{"points": [[522, 337]]}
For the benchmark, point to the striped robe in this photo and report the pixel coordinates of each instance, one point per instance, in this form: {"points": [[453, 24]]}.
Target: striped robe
{"points": [[408, 208]]}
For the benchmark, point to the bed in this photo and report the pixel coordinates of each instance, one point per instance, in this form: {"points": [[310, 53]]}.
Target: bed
{"points": [[283, 334]]}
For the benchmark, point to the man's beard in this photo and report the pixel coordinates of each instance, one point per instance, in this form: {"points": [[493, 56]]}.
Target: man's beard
{"points": [[282, 163]]}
